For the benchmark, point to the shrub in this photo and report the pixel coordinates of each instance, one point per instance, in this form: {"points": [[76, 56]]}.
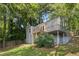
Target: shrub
{"points": [[45, 40]]}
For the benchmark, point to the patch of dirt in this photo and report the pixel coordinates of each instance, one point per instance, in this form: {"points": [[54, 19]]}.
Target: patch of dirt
{"points": [[72, 54], [25, 45]]}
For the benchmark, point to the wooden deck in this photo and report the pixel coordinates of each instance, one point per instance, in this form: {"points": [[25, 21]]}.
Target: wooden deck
{"points": [[49, 26]]}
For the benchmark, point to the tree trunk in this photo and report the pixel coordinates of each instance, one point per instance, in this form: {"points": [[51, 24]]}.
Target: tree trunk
{"points": [[4, 32]]}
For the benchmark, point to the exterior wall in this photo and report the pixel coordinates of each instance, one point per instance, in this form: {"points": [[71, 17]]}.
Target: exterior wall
{"points": [[29, 35]]}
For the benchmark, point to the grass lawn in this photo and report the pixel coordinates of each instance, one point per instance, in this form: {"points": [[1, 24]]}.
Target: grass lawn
{"points": [[29, 50]]}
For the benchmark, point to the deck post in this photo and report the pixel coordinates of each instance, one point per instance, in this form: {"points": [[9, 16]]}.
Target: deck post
{"points": [[63, 38], [36, 35], [58, 38]]}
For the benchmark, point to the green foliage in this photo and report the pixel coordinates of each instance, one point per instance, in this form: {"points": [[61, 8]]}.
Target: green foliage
{"points": [[74, 50], [62, 50], [25, 13], [45, 40]]}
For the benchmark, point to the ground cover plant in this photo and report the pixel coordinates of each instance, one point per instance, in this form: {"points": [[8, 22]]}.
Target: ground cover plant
{"points": [[45, 40]]}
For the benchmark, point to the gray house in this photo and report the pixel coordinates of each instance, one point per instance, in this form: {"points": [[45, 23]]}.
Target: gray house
{"points": [[56, 26]]}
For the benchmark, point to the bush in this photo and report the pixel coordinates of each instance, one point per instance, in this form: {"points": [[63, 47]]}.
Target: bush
{"points": [[45, 40]]}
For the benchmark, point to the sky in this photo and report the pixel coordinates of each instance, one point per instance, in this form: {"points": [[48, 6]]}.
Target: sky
{"points": [[45, 17]]}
